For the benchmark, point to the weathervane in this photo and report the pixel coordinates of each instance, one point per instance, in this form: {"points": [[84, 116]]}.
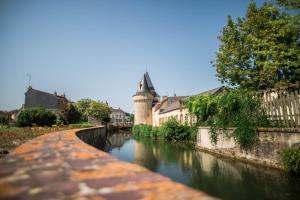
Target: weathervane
{"points": [[29, 79]]}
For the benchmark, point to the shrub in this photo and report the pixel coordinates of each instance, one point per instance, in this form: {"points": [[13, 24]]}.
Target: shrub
{"points": [[171, 130], [156, 133], [290, 158], [60, 119], [71, 114], [142, 130], [3, 120], [38, 116]]}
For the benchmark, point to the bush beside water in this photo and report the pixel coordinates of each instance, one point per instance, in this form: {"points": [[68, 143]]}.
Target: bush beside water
{"points": [[291, 160], [171, 130]]}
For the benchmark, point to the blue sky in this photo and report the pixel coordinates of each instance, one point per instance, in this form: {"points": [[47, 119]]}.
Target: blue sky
{"points": [[100, 49]]}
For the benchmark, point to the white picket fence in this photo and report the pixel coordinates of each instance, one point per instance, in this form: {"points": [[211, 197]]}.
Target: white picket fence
{"points": [[282, 105]]}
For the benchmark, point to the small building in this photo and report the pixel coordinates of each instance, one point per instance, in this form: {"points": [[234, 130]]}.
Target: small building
{"points": [[10, 115], [3, 113], [36, 98], [118, 116], [13, 114]]}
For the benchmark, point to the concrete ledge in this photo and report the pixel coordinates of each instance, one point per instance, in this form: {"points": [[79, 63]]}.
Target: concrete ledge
{"points": [[61, 166], [280, 130]]}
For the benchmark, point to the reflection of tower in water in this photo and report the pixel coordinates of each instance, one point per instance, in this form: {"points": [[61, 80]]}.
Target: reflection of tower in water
{"points": [[187, 158], [210, 162], [145, 156]]}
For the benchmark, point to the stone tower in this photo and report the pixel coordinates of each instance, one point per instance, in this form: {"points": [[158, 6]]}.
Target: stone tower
{"points": [[143, 101]]}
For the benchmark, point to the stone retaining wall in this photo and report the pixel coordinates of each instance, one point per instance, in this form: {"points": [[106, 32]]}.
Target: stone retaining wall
{"points": [[95, 137], [271, 141], [60, 166]]}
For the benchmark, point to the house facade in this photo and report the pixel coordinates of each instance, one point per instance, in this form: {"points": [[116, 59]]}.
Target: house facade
{"points": [[119, 117], [10, 115]]}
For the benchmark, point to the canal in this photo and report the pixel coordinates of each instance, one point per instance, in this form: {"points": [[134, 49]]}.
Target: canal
{"points": [[217, 176]]}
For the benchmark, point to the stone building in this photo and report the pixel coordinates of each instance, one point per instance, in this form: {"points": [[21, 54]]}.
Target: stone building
{"points": [[150, 109], [118, 116], [36, 98]]}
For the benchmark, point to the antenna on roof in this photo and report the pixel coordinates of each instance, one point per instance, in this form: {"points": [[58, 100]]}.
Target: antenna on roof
{"points": [[29, 79]]}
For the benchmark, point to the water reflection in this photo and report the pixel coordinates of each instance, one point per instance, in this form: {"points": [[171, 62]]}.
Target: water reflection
{"points": [[216, 176]]}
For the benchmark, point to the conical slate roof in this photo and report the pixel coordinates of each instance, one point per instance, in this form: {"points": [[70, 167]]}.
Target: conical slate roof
{"points": [[148, 81], [146, 86]]}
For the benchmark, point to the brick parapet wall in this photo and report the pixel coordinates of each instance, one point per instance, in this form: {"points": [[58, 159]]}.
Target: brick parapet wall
{"points": [[61, 166]]}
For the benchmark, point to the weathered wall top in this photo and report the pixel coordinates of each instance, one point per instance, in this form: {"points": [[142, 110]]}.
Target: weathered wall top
{"points": [[60, 166]]}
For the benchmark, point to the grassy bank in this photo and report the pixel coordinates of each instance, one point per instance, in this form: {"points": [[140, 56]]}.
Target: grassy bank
{"points": [[11, 137]]}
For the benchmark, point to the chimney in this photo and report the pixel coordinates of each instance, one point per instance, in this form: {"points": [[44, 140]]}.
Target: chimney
{"points": [[165, 98]]}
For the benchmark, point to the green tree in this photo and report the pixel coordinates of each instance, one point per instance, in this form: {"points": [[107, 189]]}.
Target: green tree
{"points": [[131, 117], [83, 105], [289, 4], [259, 51], [99, 110], [96, 109], [71, 114]]}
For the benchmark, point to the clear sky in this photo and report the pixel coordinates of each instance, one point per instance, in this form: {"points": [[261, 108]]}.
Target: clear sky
{"points": [[100, 49]]}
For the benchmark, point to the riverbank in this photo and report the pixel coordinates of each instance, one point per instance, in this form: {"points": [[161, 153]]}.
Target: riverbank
{"points": [[266, 152]]}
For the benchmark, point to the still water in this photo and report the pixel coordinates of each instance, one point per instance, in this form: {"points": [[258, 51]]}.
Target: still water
{"points": [[217, 176]]}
